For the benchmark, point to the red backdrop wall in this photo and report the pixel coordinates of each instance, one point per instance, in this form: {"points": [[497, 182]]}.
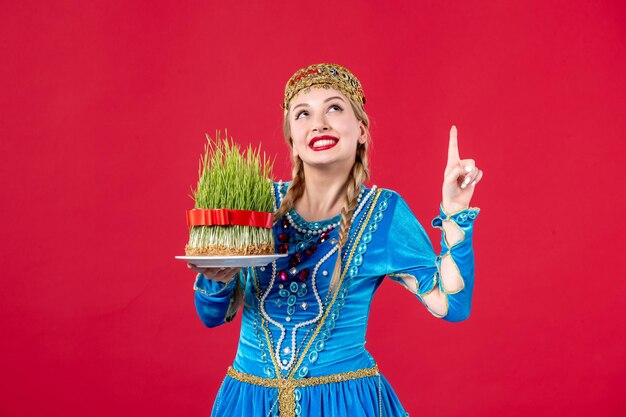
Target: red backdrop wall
{"points": [[104, 109]]}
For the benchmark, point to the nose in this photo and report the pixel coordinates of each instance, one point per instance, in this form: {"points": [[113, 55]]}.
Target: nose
{"points": [[320, 124]]}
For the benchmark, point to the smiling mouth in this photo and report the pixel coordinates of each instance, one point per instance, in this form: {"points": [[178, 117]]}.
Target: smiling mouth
{"points": [[321, 143]]}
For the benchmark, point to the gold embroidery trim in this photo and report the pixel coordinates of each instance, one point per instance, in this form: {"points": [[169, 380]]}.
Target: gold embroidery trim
{"points": [[458, 211], [281, 383], [286, 387]]}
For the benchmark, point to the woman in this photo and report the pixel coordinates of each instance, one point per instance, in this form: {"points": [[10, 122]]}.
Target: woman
{"points": [[301, 350]]}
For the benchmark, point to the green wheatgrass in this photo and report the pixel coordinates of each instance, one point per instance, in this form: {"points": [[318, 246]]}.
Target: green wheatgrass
{"points": [[232, 179]]}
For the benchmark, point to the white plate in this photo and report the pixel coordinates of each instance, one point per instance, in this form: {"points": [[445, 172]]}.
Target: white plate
{"points": [[230, 261]]}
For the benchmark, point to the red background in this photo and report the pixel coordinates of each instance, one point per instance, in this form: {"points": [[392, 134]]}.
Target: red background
{"points": [[104, 106]]}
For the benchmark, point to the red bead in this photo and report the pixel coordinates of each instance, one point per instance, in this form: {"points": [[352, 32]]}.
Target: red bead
{"points": [[283, 237], [304, 274], [295, 259], [323, 237], [282, 275], [284, 248], [311, 250]]}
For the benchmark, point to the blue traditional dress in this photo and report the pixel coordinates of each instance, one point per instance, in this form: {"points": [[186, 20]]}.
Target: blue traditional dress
{"points": [[302, 347]]}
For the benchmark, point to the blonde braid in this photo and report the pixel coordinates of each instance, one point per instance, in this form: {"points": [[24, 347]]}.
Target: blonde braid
{"points": [[358, 175], [295, 190]]}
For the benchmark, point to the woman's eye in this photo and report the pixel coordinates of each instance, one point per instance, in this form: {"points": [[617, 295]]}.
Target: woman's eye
{"points": [[301, 114], [335, 107]]}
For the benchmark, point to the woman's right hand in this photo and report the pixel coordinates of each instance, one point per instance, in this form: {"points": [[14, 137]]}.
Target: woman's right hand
{"points": [[224, 275]]}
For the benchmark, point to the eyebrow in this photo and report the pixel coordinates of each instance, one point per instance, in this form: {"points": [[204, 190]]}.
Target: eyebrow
{"points": [[325, 101]]}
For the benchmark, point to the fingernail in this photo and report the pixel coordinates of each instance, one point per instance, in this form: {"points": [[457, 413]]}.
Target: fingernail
{"points": [[468, 168], [221, 269], [463, 185], [473, 182]]}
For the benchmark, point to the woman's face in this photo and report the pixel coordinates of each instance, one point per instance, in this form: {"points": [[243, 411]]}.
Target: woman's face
{"points": [[324, 128]]}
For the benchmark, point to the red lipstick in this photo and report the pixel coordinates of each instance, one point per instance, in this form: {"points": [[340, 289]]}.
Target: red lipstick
{"points": [[330, 141]]}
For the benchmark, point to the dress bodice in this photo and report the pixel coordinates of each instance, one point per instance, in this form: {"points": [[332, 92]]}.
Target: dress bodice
{"points": [[294, 324]]}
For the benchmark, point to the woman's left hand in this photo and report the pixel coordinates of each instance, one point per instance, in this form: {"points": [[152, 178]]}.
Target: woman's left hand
{"points": [[459, 179]]}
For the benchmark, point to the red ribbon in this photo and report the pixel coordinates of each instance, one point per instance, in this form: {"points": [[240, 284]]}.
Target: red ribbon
{"points": [[228, 217]]}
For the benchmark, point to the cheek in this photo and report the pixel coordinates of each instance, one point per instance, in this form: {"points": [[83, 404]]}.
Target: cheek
{"points": [[295, 129], [298, 134], [347, 124]]}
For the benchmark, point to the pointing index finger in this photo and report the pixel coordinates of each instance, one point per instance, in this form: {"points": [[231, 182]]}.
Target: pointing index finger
{"points": [[453, 147]]}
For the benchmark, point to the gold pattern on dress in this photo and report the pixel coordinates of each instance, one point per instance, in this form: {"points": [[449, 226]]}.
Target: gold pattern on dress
{"points": [[301, 382], [287, 386]]}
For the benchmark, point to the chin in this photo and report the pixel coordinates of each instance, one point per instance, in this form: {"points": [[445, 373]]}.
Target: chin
{"points": [[326, 163]]}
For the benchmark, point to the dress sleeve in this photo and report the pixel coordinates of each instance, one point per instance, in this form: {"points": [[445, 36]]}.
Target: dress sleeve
{"points": [[212, 299], [410, 256]]}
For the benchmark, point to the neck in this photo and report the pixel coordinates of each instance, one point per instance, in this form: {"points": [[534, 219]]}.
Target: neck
{"points": [[324, 193]]}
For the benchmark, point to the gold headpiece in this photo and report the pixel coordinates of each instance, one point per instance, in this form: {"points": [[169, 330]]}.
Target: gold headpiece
{"points": [[326, 76]]}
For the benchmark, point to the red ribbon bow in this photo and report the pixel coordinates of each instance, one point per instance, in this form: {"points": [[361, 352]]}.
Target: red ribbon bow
{"points": [[228, 217]]}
